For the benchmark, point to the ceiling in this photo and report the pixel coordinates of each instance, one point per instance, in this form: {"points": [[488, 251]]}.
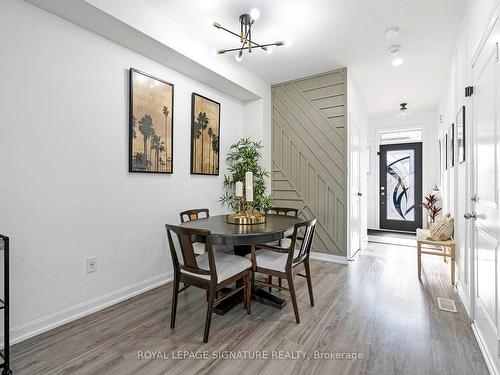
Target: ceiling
{"points": [[329, 34]]}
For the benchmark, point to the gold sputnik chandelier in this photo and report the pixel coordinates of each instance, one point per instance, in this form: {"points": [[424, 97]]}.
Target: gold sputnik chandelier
{"points": [[245, 36]]}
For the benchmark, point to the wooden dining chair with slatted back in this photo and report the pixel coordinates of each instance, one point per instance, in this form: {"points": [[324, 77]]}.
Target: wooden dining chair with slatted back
{"points": [[280, 262], [211, 270], [285, 241], [195, 214]]}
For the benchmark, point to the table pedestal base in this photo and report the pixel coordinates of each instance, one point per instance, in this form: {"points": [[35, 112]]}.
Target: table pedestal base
{"points": [[258, 294]]}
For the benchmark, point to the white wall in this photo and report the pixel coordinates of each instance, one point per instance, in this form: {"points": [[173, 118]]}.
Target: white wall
{"points": [[455, 181], [423, 119], [65, 193]]}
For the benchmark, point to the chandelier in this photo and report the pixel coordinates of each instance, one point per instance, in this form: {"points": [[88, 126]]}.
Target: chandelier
{"points": [[245, 36]]}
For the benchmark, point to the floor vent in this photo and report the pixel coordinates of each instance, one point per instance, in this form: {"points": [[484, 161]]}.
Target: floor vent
{"points": [[446, 304]]}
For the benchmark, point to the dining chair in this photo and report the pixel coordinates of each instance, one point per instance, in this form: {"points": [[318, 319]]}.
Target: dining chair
{"points": [[284, 211], [286, 240], [210, 271], [279, 261], [190, 215], [195, 214]]}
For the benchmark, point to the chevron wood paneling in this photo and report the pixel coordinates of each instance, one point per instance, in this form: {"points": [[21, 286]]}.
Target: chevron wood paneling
{"points": [[309, 154]]}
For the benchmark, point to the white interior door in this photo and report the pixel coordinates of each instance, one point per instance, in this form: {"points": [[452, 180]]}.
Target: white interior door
{"points": [[485, 224], [354, 183]]}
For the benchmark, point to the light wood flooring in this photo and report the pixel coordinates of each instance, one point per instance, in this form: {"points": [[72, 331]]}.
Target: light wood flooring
{"points": [[375, 306]]}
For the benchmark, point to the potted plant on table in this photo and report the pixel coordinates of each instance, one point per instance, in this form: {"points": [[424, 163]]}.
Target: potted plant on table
{"points": [[243, 157], [433, 210]]}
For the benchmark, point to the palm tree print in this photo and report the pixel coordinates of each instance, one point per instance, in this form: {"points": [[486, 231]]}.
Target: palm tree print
{"points": [[166, 112], [200, 125], [147, 130], [134, 124], [210, 135], [158, 146], [215, 149]]}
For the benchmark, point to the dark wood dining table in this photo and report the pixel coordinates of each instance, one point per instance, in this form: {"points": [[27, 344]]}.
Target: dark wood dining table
{"points": [[241, 238]]}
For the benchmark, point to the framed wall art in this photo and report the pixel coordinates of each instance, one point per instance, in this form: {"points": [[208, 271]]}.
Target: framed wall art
{"points": [[451, 146], [205, 135], [461, 135], [151, 124]]}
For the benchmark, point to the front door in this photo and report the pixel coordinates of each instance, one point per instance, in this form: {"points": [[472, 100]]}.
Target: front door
{"points": [[401, 186]]}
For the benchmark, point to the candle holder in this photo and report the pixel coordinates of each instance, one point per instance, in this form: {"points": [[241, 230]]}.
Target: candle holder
{"points": [[245, 214]]}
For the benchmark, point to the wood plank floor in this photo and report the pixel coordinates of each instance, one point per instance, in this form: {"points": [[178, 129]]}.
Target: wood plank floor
{"points": [[375, 306]]}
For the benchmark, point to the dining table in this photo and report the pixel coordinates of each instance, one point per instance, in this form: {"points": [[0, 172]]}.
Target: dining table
{"points": [[241, 238]]}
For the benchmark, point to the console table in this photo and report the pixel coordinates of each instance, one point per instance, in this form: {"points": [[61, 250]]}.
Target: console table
{"points": [[444, 249]]}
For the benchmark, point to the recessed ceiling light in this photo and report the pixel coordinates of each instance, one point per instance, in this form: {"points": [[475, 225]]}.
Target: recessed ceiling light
{"points": [[397, 61], [255, 14], [392, 33]]}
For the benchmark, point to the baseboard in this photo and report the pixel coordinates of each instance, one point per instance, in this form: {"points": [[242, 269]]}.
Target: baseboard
{"points": [[490, 363], [463, 297], [51, 321], [329, 258]]}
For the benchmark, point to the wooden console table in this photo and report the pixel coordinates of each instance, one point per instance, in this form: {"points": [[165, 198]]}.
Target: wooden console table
{"points": [[445, 249]]}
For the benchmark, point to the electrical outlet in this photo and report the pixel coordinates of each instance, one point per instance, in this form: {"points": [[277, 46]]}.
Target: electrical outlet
{"points": [[91, 264]]}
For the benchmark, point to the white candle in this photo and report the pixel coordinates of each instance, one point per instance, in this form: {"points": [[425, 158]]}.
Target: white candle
{"points": [[249, 194], [239, 189], [249, 180]]}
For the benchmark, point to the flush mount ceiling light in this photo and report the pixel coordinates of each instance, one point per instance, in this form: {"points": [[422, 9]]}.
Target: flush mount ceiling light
{"points": [[245, 36], [395, 49], [403, 112], [392, 33], [397, 61]]}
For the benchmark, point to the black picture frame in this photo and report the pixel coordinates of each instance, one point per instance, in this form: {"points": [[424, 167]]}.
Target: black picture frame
{"points": [[213, 148], [133, 168], [445, 143], [451, 146], [460, 121], [440, 148]]}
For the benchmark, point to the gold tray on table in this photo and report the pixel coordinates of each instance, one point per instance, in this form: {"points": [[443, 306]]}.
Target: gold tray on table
{"points": [[246, 219]]}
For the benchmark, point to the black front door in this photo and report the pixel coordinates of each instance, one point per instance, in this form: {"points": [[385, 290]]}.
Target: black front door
{"points": [[401, 186]]}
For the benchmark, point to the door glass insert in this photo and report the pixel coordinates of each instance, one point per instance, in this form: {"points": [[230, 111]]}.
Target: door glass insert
{"points": [[400, 170]]}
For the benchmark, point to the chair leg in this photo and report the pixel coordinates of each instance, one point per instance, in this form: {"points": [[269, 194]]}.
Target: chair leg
{"points": [[270, 281], [248, 294], [289, 279], [245, 291], [175, 295], [210, 308], [279, 281], [309, 284]]}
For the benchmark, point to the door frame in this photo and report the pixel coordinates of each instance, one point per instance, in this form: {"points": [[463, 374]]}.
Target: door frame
{"points": [[350, 192], [418, 148], [375, 146]]}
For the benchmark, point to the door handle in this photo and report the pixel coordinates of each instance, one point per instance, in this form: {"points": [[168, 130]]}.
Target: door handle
{"points": [[470, 215], [360, 194]]}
